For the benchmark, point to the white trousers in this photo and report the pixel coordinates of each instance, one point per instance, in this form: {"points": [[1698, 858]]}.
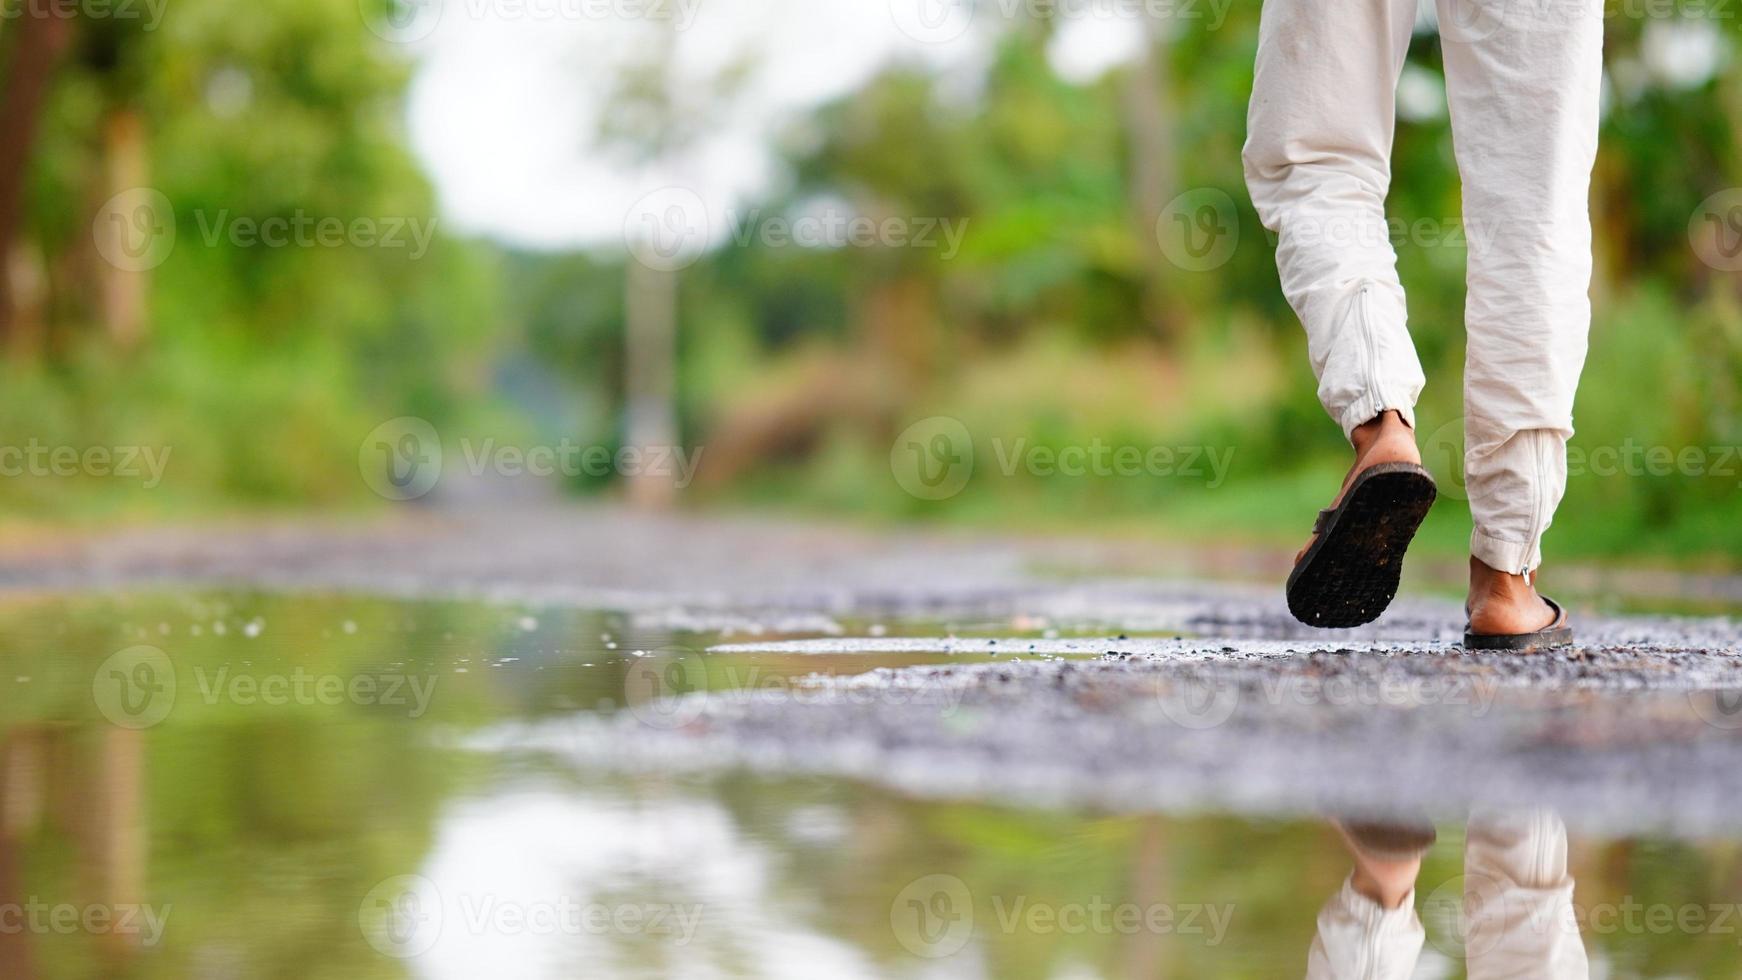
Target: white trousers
{"points": [[1522, 81], [1517, 912]]}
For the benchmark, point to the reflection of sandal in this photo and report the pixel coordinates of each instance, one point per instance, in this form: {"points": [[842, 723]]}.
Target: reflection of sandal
{"points": [[1350, 572], [1556, 634], [1389, 841]]}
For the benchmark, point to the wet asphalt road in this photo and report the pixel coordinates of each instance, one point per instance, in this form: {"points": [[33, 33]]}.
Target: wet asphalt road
{"points": [[1639, 726]]}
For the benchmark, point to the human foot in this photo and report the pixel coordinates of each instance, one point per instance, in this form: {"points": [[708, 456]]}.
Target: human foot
{"points": [[1506, 612], [1387, 859], [1384, 439], [1349, 571]]}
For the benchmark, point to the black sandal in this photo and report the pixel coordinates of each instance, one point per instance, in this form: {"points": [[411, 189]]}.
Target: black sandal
{"points": [[1350, 572], [1556, 634]]}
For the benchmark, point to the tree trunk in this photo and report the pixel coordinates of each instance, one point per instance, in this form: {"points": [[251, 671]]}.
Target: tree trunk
{"points": [[1150, 124], [40, 42]]}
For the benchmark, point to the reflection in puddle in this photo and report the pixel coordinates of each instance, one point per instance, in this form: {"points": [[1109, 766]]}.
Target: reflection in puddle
{"points": [[1509, 914], [245, 797]]}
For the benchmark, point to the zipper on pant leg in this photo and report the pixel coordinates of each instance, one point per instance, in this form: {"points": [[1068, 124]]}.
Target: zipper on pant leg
{"points": [[1536, 437], [1365, 305]]}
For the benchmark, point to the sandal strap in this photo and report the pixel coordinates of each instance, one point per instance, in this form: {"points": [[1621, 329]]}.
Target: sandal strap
{"points": [[1324, 519], [1559, 621]]}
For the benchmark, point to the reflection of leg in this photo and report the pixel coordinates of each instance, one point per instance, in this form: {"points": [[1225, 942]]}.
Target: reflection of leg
{"points": [[1518, 898], [1369, 930]]}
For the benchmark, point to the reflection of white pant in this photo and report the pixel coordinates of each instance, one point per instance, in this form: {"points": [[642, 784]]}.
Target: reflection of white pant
{"points": [[1517, 912], [1522, 80]]}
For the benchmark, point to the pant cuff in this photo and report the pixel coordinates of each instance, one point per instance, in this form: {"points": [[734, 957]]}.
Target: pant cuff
{"points": [[1512, 557]]}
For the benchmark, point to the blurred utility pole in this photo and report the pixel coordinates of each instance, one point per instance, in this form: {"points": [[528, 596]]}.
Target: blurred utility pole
{"points": [[655, 113], [650, 375]]}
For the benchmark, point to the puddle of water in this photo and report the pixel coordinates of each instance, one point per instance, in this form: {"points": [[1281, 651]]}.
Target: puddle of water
{"points": [[240, 786]]}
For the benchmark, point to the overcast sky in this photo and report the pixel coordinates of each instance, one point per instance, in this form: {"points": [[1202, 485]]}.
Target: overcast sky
{"points": [[505, 100]]}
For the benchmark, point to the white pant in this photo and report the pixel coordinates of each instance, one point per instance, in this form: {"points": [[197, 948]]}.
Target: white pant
{"points": [[1522, 80], [1518, 916]]}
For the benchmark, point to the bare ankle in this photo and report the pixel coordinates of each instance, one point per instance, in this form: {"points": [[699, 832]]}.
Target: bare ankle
{"points": [[1388, 884], [1486, 580], [1386, 438]]}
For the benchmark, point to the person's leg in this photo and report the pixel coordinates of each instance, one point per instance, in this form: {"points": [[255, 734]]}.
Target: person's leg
{"points": [[1368, 929], [1318, 165], [1522, 81], [1518, 899]]}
